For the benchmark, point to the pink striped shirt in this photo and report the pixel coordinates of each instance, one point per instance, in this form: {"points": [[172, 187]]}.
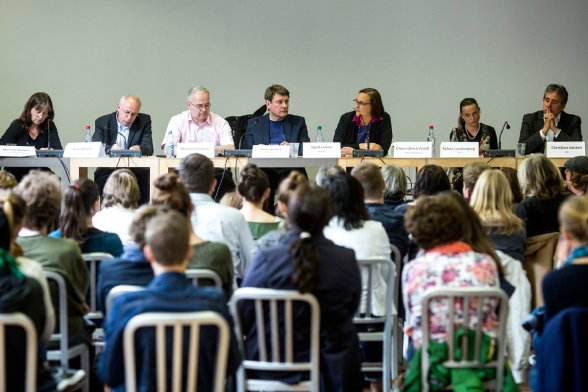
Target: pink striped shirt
{"points": [[214, 130]]}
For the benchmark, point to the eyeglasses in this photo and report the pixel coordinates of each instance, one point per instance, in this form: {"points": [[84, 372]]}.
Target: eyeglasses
{"points": [[201, 106], [361, 103]]}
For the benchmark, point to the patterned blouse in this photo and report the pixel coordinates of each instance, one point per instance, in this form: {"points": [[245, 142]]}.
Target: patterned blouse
{"points": [[451, 265]]}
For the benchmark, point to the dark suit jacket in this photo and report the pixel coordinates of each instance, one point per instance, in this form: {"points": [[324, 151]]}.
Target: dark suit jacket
{"points": [[106, 131], [258, 131], [380, 132], [570, 125]]}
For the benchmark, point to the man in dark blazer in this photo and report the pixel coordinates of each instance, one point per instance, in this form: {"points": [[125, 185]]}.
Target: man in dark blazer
{"points": [[276, 127], [125, 129], [551, 123]]}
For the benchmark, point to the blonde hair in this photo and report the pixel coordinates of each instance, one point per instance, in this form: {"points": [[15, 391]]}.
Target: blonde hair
{"points": [[121, 188], [492, 201], [540, 177], [573, 216]]}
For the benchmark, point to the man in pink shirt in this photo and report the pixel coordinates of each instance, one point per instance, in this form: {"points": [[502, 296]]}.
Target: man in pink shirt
{"points": [[199, 125]]}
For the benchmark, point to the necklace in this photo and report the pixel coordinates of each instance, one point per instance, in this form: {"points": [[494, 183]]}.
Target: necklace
{"points": [[468, 133]]}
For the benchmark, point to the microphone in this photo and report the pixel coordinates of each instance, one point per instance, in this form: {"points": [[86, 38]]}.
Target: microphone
{"points": [[507, 125], [48, 133]]}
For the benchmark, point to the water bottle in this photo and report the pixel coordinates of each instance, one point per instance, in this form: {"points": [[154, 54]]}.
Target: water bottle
{"points": [[431, 138], [319, 134], [88, 137], [170, 151]]}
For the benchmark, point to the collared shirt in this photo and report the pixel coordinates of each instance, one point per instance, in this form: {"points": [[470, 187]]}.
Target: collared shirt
{"points": [[120, 140], [551, 132], [216, 222], [214, 130]]}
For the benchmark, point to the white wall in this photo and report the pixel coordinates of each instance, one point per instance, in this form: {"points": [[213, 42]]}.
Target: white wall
{"points": [[424, 56]]}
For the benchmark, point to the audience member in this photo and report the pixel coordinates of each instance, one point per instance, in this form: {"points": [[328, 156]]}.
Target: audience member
{"points": [[542, 187], [7, 182], [80, 203], [491, 199], [515, 187], [551, 123], [308, 262], [368, 127], [370, 178], [326, 171], [125, 129], [396, 185], [168, 251], [254, 190], [577, 175], [212, 221], [121, 196], [231, 199], [215, 256], [471, 173]]}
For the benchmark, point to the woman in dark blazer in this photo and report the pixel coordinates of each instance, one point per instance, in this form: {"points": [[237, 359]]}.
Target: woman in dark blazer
{"points": [[308, 262], [368, 127]]}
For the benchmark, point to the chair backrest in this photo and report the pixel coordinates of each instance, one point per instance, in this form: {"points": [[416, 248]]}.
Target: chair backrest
{"points": [[473, 299], [177, 322], [92, 259], [117, 291], [19, 320], [278, 339], [371, 269], [63, 335], [201, 275]]}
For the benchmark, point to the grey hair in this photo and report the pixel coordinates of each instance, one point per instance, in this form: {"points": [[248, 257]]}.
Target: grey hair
{"points": [[395, 180], [326, 171], [124, 98], [198, 89], [559, 90]]}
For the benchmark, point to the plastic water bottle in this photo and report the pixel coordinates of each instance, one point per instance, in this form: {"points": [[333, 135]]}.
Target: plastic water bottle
{"points": [[170, 151], [431, 137], [88, 137], [319, 134]]}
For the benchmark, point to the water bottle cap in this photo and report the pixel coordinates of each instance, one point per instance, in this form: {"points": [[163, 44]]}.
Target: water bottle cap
{"points": [[430, 125], [87, 127]]}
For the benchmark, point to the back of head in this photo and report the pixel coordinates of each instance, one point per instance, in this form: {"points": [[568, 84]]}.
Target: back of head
{"points": [[42, 194], [430, 180], [169, 191], [7, 180], [326, 171], [77, 208], [167, 235], [275, 89], [578, 169], [471, 173], [513, 182], [573, 216], [309, 211], [140, 220], [253, 183], [197, 173], [395, 180], [540, 177], [348, 199], [8, 265], [435, 220], [121, 188], [370, 178], [492, 201]]}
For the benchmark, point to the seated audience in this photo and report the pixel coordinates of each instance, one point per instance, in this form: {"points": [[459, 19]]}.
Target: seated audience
{"points": [[42, 194], [491, 200], [326, 171], [7, 182], [121, 195], [396, 186], [471, 173], [254, 190], [80, 203], [168, 250], [430, 180], [308, 262], [577, 175], [231, 199], [515, 187], [370, 178], [542, 187], [212, 221], [215, 256]]}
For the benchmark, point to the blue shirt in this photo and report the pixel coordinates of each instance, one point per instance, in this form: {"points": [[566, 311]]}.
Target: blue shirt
{"points": [[276, 132]]}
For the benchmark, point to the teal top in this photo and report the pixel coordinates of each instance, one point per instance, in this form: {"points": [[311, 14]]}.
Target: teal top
{"points": [[98, 241], [259, 229]]}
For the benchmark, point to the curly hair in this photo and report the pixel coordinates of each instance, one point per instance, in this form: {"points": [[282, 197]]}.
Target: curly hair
{"points": [[171, 192], [42, 194]]}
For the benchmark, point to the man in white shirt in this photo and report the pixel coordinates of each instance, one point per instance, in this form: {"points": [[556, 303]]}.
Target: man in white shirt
{"points": [[199, 125], [213, 221]]}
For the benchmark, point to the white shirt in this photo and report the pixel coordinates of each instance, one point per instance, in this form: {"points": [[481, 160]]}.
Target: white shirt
{"points": [[216, 222], [214, 130], [115, 219]]}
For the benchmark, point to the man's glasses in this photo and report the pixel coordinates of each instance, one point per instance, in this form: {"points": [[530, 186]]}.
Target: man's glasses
{"points": [[361, 103], [201, 106]]}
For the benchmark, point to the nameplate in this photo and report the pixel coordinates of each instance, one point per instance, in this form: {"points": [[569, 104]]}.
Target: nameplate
{"points": [[412, 149], [270, 151], [459, 150], [17, 151], [185, 149], [321, 150], [84, 150], [564, 149]]}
